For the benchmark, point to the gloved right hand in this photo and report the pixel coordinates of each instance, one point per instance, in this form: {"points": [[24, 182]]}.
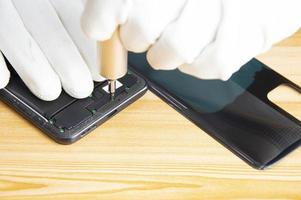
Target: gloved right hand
{"points": [[208, 39], [43, 41]]}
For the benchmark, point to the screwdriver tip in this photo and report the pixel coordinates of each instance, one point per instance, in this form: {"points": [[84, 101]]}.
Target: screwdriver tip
{"points": [[112, 87]]}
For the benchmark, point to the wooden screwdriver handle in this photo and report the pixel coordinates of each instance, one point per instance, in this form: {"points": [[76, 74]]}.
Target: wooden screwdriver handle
{"points": [[113, 57]]}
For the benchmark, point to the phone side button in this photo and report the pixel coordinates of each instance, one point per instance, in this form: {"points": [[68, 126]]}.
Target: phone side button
{"points": [[111, 114], [88, 131]]}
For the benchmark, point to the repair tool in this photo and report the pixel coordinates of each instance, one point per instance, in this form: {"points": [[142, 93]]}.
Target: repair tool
{"points": [[113, 60]]}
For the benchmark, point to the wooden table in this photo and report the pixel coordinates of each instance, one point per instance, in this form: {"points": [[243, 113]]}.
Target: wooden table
{"points": [[148, 151]]}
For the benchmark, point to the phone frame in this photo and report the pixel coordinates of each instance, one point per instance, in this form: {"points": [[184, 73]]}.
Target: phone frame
{"points": [[72, 135]]}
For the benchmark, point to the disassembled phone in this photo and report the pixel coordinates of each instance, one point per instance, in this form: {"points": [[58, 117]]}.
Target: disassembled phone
{"points": [[237, 112], [67, 119]]}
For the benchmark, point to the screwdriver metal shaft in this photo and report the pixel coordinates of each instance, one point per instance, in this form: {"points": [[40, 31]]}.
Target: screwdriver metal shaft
{"points": [[112, 86], [113, 60]]}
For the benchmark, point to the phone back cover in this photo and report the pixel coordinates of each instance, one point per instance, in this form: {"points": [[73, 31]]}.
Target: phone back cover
{"points": [[237, 112]]}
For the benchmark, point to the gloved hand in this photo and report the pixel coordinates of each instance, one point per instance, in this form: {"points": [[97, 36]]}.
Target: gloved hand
{"points": [[209, 39], [43, 41]]}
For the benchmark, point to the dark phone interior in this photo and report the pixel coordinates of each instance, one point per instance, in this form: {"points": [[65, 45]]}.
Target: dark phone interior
{"points": [[67, 112]]}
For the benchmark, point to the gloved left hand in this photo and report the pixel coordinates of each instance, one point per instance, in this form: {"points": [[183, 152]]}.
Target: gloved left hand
{"points": [[44, 43]]}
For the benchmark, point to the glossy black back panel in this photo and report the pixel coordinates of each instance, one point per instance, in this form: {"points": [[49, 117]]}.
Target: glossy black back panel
{"points": [[236, 112]]}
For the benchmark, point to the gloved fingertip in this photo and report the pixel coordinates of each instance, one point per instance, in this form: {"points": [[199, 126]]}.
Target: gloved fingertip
{"points": [[47, 92], [48, 96], [79, 89], [134, 37], [152, 61], [98, 78], [4, 73], [79, 94], [97, 23], [226, 77], [163, 61], [4, 79], [131, 44], [97, 32]]}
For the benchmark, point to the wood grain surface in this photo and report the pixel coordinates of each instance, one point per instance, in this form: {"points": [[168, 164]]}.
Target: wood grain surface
{"points": [[148, 151]]}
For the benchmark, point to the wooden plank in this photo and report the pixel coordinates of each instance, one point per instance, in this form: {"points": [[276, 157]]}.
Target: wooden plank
{"points": [[148, 151]]}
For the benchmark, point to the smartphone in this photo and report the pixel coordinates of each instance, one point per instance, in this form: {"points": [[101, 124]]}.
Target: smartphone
{"points": [[67, 119], [237, 113]]}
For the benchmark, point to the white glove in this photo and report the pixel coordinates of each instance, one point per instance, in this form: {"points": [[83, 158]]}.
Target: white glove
{"points": [[209, 39], [43, 41]]}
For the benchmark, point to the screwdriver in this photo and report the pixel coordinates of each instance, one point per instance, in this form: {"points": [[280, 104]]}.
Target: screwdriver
{"points": [[113, 60]]}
